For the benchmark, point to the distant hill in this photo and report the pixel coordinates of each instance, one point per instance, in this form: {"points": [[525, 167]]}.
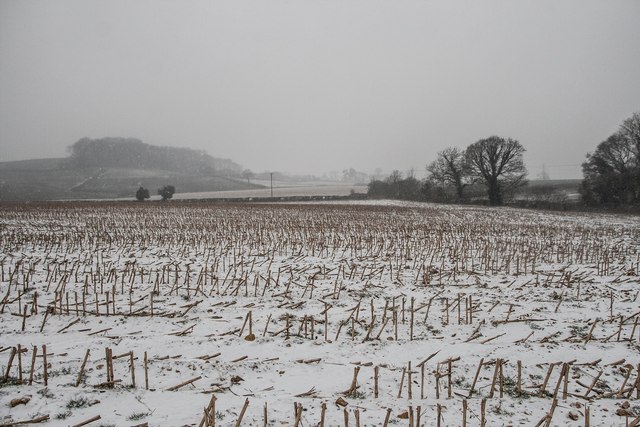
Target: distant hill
{"points": [[116, 167], [131, 153]]}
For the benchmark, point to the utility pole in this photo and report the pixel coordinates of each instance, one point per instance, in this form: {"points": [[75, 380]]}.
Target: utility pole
{"points": [[271, 184]]}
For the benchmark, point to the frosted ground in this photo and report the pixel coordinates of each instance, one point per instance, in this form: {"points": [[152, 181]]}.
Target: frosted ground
{"points": [[278, 305]]}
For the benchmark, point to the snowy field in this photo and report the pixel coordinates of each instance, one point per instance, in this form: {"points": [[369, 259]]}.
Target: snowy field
{"points": [[280, 189], [359, 314]]}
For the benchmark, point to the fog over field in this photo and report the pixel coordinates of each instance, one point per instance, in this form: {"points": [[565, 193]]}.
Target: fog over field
{"points": [[319, 86]]}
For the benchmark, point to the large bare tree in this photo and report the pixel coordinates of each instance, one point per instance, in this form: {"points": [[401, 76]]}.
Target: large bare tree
{"points": [[612, 172], [498, 162], [450, 167], [630, 132]]}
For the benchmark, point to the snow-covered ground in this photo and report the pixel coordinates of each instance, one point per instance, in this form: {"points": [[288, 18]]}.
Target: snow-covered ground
{"points": [[279, 190], [281, 304]]}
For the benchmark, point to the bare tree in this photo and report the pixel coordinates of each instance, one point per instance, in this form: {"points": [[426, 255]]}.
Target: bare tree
{"points": [[451, 168], [630, 130], [248, 174], [166, 192], [142, 194], [611, 172], [498, 162]]}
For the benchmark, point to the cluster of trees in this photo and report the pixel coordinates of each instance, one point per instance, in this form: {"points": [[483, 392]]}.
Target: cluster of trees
{"points": [[612, 171], [611, 174], [133, 153], [165, 192], [494, 162], [354, 176], [396, 187]]}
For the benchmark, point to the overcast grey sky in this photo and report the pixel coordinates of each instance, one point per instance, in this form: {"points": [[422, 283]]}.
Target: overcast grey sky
{"points": [[314, 86]]}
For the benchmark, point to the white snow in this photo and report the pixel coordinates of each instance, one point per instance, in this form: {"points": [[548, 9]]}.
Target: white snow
{"points": [[210, 265]]}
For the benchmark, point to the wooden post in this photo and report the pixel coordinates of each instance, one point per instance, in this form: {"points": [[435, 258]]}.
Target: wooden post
{"points": [[84, 362], [33, 364], [409, 391], [376, 370], [266, 326], [411, 320], [244, 409], [386, 418], [637, 383], [146, 372], [323, 411], [422, 381], [287, 325], [565, 386], [326, 322], [563, 373], [209, 418], [550, 414], [519, 382], [446, 305], [543, 387], [24, 318], [111, 371], [464, 412], [475, 378], [449, 368], [46, 368], [395, 322], [354, 382], [587, 416], [501, 378], [297, 413], [404, 371], [483, 409], [265, 416], [20, 357], [496, 373], [593, 384], [13, 354], [107, 365], [133, 370]]}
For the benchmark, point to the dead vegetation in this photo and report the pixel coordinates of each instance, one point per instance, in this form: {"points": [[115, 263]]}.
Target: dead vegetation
{"points": [[439, 310]]}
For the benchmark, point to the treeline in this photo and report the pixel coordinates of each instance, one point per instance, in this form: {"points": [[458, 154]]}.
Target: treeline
{"points": [[612, 171], [492, 170], [131, 153], [493, 164]]}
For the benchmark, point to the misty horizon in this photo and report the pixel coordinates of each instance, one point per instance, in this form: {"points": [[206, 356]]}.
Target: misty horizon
{"points": [[314, 87]]}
